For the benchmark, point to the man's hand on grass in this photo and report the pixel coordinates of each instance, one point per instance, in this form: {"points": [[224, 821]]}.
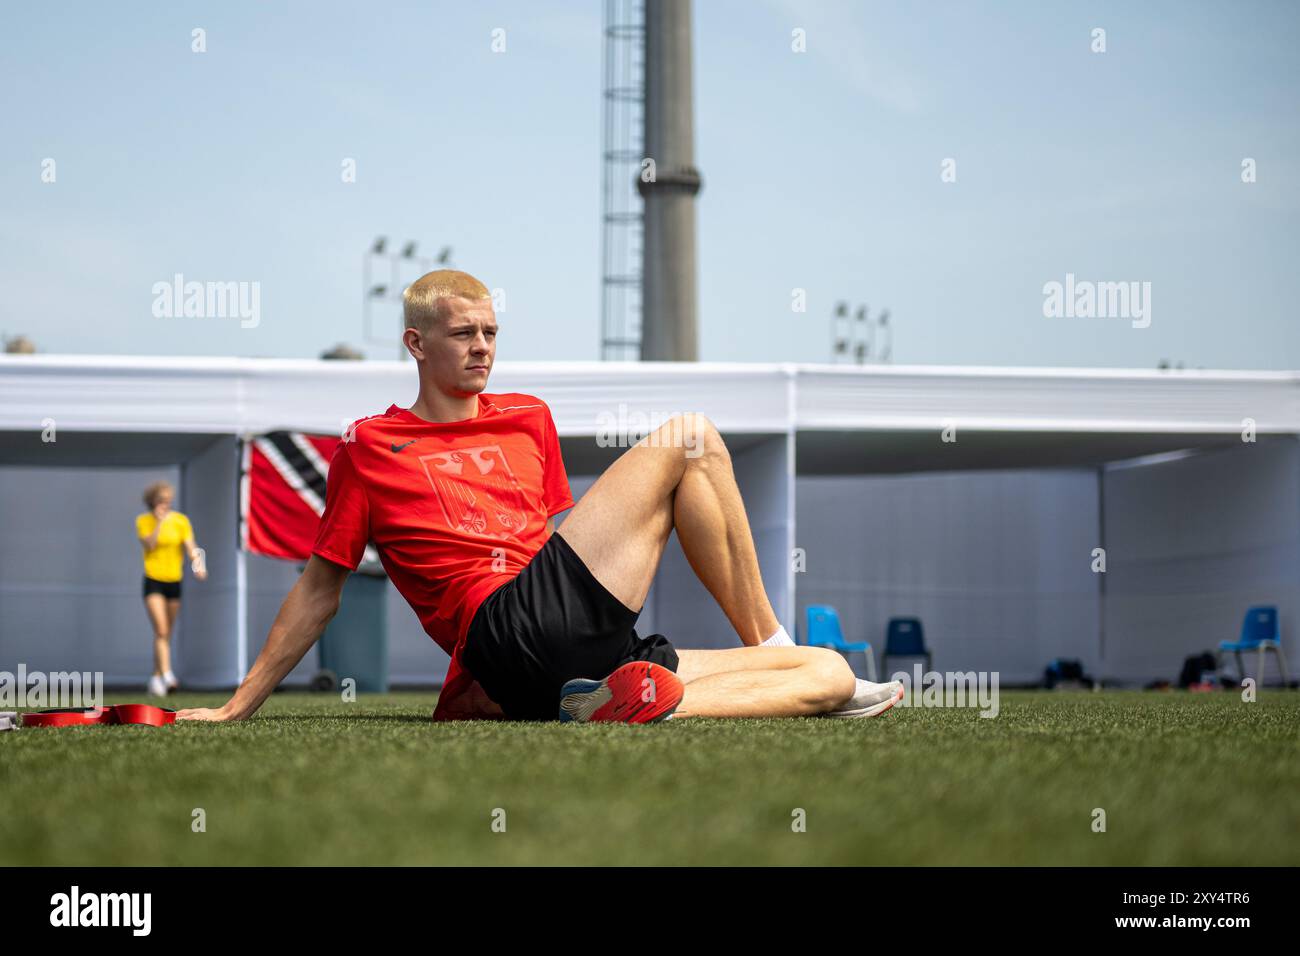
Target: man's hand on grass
{"points": [[211, 714]]}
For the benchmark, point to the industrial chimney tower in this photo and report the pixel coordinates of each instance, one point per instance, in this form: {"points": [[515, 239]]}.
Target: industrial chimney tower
{"points": [[668, 185]]}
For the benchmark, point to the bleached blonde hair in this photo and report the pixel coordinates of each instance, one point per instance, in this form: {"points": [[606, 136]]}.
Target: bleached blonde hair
{"points": [[422, 300]]}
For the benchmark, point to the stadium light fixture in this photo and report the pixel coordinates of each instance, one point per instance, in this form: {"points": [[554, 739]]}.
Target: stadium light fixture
{"points": [[841, 330], [390, 293], [887, 349]]}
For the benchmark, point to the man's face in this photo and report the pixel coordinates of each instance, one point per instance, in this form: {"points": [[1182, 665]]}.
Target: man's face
{"points": [[459, 347]]}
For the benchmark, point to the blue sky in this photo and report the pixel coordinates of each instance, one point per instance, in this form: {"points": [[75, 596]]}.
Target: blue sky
{"points": [[821, 171]]}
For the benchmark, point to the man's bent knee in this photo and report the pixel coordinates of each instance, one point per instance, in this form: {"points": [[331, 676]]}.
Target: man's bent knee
{"points": [[831, 681], [691, 437], [700, 438]]}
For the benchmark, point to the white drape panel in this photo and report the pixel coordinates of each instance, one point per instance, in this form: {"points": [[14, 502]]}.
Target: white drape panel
{"points": [[205, 645], [1190, 545], [995, 564], [71, 570]]}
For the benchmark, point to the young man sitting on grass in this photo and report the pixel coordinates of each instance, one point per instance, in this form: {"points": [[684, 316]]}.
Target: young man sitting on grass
{"points": [[459, 494]]}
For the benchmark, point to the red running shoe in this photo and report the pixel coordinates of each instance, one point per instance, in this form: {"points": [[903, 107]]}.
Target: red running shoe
{"points": [[640, 692]]}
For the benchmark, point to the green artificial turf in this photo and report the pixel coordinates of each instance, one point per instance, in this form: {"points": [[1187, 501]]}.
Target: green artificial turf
{"points": [[1183, 778]]}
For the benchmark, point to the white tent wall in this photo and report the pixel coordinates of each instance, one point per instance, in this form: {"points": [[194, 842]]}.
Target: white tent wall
{"points": [[71, 571], [207, 640], [765, 475], [994, 564], [1190, 545], [1018, 538]]}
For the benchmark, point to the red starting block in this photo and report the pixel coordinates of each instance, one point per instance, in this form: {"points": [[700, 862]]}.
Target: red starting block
{"points": [[145, 714]]}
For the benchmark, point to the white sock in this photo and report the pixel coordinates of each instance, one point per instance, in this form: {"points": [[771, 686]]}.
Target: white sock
{"points": [[779, 639]]}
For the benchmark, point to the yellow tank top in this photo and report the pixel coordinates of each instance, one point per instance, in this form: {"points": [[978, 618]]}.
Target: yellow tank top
{"points": [[167, 559]]}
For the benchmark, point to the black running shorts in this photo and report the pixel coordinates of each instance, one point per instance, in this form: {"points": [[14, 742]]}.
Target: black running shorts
{"points": [[550, 624], [168, 589]]}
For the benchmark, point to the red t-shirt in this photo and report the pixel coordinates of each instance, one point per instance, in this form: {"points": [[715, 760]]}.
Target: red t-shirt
{"points": [[455, 510]]}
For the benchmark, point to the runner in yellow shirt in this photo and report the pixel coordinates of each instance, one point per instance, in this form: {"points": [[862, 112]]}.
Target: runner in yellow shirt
{"points": [[167, 538]]}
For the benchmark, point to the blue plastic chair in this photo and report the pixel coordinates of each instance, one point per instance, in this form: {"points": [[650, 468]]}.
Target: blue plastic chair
{"points": [[824, 631], [1259, 631], [904, 637]]}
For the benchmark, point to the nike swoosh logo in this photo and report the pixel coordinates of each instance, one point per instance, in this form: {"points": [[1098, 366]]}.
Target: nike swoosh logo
{"points": [[397, 448]]}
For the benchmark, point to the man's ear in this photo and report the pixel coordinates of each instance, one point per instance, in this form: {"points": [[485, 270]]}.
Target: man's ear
{"points": [[414, 343]]}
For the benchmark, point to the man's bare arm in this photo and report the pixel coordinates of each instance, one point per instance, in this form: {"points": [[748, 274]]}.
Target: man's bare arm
{"points": [[311, 604]]}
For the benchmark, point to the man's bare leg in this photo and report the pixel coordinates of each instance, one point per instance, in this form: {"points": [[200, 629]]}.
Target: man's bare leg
{"points": [[762, 682], [620, 528], [714, 532], [622, 523]]}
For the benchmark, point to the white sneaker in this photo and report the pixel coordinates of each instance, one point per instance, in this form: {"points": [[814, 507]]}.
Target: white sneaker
{"points": [[170, 680], [870, 700], [157, 686]]}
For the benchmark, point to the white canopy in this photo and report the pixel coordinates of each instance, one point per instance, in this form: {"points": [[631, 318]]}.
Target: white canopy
{"points": [[996, 565], [233, 396]]}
